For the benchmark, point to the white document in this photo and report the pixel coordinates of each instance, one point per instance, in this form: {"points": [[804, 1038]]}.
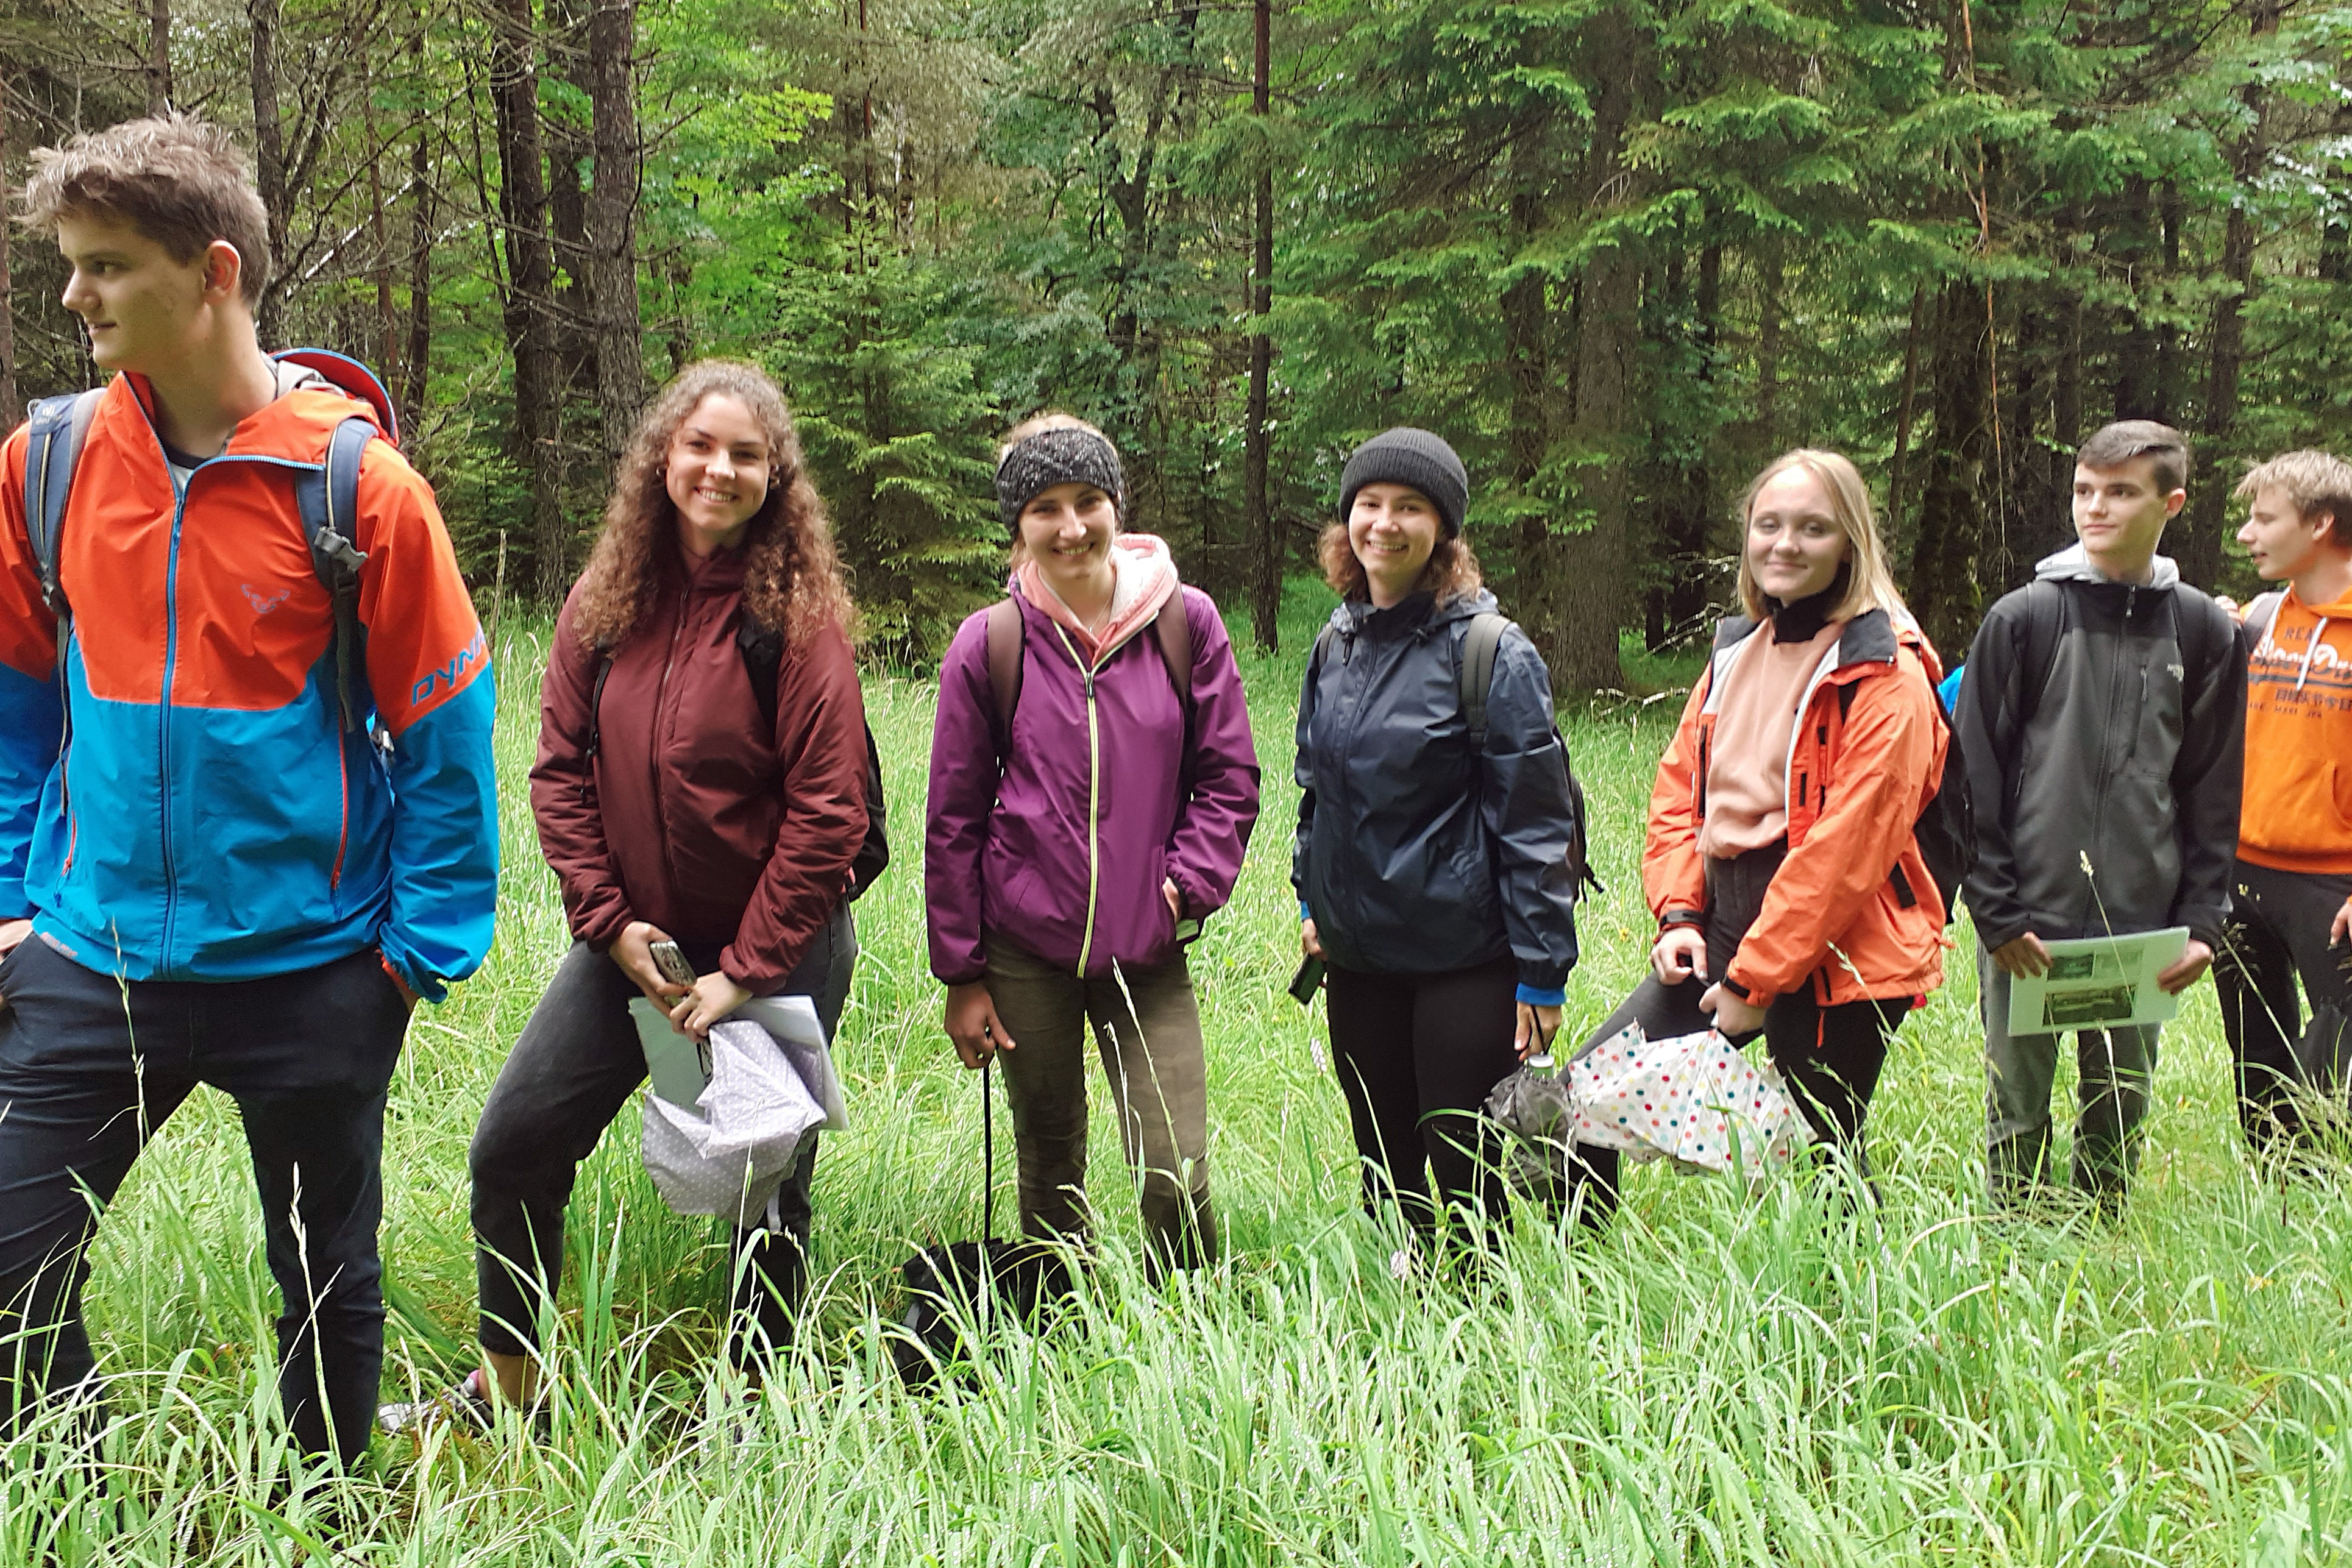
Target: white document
{"points": [[679, 1065], [2098, 982]]}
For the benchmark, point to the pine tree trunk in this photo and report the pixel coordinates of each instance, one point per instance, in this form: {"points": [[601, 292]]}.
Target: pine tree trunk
{"points": [[269, 161], [528, 314], [1265, 596], [1906, 407], [2198, 548], [420, 265], [613, 220], [1526, 331], [1943, 590], [8, 404], [159, 56]]}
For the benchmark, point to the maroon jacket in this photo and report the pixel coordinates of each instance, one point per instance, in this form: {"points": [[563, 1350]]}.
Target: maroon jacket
{"points": [[690, 815]]}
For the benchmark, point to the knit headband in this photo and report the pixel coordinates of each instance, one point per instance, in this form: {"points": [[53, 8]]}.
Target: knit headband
{"points": [[1064, 455]]}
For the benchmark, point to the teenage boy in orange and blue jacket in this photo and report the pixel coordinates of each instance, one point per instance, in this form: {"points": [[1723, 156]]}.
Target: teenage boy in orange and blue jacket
{"points": [[2292, 912], [207, 873]]}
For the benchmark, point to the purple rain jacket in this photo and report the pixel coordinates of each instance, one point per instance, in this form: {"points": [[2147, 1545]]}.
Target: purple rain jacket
{"points": [[1063, 855]]}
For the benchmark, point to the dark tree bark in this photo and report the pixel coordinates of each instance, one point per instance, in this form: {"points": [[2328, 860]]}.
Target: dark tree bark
{"points": [[2053, 528], [8, 404], [2130, 241], [269, 161], [1943, 590], [2199, 550], [1527, 331], [1266, 587], [414, 389], [159, 56], [527, 315], [1907, 406], [613, 220], [1589, 565]]}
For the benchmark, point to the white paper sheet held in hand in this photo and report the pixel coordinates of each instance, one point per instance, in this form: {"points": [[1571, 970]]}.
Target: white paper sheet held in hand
{"points": [[2098, 982]]}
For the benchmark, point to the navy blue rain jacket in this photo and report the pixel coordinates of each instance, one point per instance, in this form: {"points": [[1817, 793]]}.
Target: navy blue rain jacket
{"points": [[1415, 856]]}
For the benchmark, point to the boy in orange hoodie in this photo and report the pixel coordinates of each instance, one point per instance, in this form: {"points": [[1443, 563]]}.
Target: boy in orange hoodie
{"points": [[2292, 911]]}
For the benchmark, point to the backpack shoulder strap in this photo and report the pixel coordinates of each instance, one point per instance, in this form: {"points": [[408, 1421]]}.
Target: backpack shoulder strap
{"points": [[1173, 631], [53, 451], [1004, 656], [331, 523], [2045, 625], [763, 648], [2261, 613], [1479, 645]]}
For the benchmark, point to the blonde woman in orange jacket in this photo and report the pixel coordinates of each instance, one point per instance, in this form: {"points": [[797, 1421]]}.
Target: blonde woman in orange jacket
{"points": [[1790, 892]]}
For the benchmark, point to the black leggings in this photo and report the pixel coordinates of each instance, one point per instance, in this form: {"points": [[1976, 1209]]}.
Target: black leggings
{"points": [[1417, 1056], [1831, 1057], [2279, 928]]}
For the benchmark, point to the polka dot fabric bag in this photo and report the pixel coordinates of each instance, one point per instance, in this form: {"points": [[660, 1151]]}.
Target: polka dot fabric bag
{"points": [[1696, 1099]]}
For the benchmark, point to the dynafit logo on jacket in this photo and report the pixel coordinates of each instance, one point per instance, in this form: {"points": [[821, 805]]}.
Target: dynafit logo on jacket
{"points": [[449, 676]]}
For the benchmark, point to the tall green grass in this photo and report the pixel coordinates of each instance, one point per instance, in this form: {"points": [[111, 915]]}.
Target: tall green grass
{"points": [[1722, 1379]]}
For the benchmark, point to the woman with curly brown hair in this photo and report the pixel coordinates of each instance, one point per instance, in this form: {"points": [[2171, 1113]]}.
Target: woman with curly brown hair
{"points": [[678, 801]]}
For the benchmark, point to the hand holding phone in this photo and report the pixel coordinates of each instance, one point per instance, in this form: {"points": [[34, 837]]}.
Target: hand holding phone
{"points": [[671, 962]]}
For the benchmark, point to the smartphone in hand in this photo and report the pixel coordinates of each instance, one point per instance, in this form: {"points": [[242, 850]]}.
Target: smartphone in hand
{"points": [[672, 963]]}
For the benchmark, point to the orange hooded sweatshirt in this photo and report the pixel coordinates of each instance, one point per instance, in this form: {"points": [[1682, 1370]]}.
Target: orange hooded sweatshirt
{"points": [[2297, 811]]}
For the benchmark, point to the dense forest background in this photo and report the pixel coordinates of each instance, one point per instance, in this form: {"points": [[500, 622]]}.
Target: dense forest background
{"points": [[1619, 252]]}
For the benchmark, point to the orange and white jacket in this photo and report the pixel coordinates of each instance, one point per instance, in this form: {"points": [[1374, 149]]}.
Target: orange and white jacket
{"points": [[1852, 911], [2295, 810]]}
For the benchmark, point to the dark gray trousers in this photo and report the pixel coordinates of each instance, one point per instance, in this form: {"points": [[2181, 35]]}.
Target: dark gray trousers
{"points": [[2279, 930], [575, 1065]]}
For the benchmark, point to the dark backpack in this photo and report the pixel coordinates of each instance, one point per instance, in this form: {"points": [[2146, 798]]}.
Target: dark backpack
{"points": [[1480, 645], [328, 497], [2261, 610], [1946, 829], [1171, 633], [762, 651]]}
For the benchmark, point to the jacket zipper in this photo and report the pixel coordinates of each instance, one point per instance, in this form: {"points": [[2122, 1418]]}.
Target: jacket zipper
{"points": [[163, 716], [1094, 800], [343, 834]]}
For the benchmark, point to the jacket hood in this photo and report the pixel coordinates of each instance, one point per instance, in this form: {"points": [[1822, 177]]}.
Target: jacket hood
{"points": [[295, 425], [1144, 581], [2336, 609], [1349, 615], [2072, 564]]}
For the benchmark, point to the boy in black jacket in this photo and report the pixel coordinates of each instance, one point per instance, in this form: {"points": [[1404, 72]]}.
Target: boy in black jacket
{"points": [[2103, 723]]}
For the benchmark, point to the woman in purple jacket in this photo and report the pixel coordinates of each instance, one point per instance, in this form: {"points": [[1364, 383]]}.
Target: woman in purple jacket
{"points": [[1093, 787]]}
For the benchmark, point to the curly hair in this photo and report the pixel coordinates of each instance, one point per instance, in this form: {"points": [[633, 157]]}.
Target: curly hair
{"points": [[791, 578], [1451, 574]]}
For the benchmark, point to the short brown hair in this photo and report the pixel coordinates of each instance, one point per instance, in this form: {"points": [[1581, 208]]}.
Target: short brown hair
{"points": [[1451, 574], [176, 179], [2114, 445], [2312, 481]]}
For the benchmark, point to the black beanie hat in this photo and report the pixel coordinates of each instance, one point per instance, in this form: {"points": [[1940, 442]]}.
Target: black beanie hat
{"points": [[1061, 454], [1408, 456]]}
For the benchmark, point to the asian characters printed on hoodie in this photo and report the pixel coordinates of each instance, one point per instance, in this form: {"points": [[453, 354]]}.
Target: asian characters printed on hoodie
{"points": [[2296, 815], [1063, 851]]}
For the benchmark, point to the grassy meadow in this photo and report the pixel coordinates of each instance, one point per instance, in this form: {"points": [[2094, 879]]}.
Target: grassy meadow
{"points": [[1722, 1379]]}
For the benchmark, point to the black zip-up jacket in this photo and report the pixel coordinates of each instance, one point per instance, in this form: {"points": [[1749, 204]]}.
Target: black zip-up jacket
{"points": [[1413, 856], [2127, 758]]}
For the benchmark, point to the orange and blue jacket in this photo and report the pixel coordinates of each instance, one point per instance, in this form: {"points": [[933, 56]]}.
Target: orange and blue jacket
{"points": [[206, 815]]}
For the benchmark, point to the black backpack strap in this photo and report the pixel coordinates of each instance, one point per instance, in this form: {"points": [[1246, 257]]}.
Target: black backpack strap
{"points": [[1479, 645], [762, 649], [59, 425], [2045, 625], [1005, 659], [330, 503], [1171, 629], [2260, 612]]}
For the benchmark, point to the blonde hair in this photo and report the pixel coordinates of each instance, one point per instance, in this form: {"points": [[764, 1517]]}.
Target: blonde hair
{"points": [[1870, 583], [2314, 482]]}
